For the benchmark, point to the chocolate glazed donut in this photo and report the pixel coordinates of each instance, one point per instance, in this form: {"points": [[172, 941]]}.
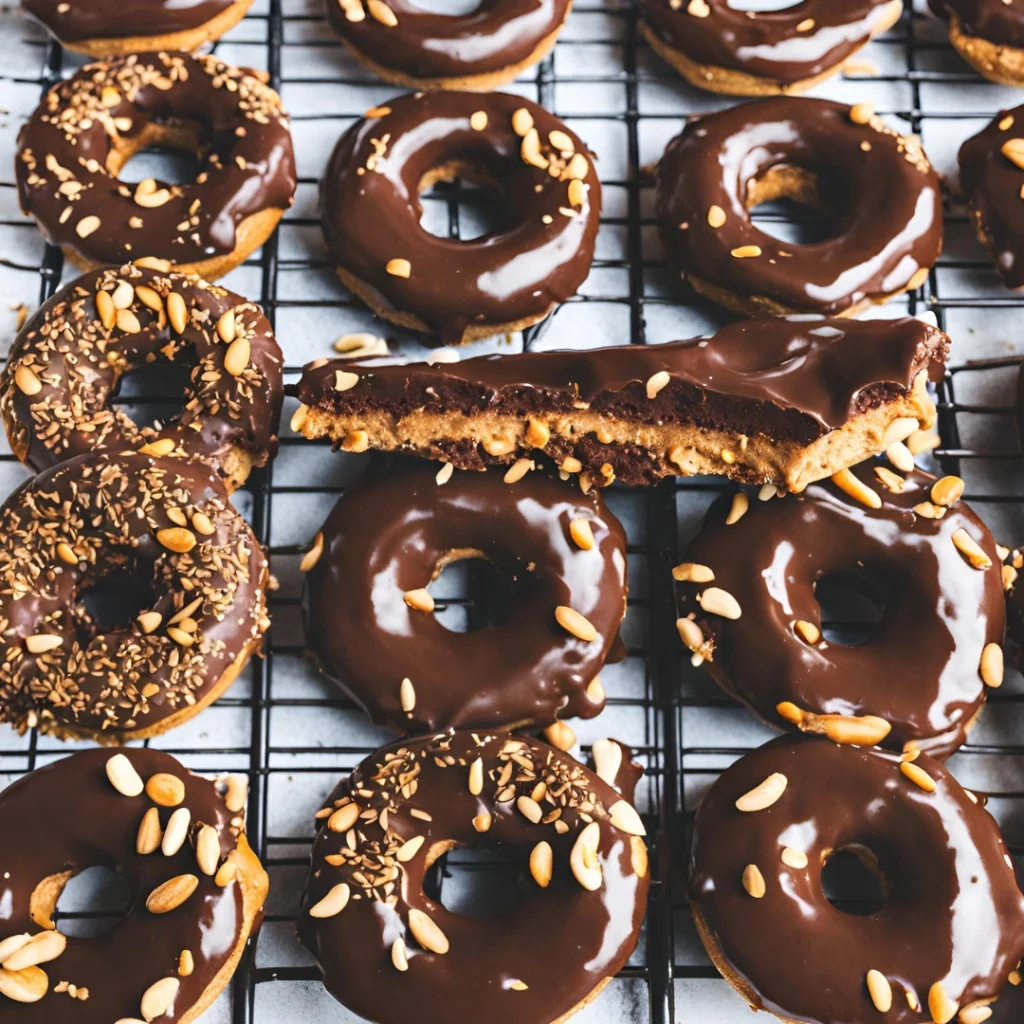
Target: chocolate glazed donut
{"points": [[370, 622], [992, 179], [163, 527], [988, 34], [67, 362], [877, 186], [748, 606], [87, 127], [487, 47], [195, 889], [717, 47], [762, 838], [392, 953], [103, 27], [462, 290]]}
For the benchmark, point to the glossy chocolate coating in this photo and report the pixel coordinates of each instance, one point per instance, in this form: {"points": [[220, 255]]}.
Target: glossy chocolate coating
{"points": [[794, 378], [561, 942], [992, 184], [1009, 1008], [995, 20], [953, 914], [109, 680], [768, 44], [82, 20], [67, 817], [370, 212], [79, 363], [247, 164], [938, 612], [427, 45], [885, 204], [390, 533]]}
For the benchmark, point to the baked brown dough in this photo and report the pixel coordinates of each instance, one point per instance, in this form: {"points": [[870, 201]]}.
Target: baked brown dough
{"points": [[777, 401]]}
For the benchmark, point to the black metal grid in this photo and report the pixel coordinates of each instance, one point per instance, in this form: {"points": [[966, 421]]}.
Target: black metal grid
{"points": [[674, 756]]}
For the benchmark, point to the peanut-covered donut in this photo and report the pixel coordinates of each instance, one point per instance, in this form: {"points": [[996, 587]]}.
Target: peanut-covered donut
{"points": [[487, 47], [67, 362], [881, 194], [392, 953], [72, 149], [99, 28], [462, 290], [370, 622], [950, 930], [195, 889], [164, 526], [992, 179], [748, 606], [747, 52], [988, 34]]}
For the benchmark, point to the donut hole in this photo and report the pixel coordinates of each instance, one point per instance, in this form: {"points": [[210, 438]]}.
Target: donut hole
{"points": [[156, 392], [476, 881], [114, 601], [794, 204], [851, 607], [91, 903], [853, 881], [471, 592], [172, 154], [463, 199]]}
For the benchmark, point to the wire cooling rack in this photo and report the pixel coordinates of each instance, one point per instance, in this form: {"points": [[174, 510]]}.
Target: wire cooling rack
{"points": [[292, 733]]}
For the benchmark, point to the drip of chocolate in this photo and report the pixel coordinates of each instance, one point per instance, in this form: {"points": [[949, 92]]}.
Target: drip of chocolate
{"points": [[392, 532], [883, 197], [777, 45], [953, 916], [83, 20], [992, 182], [425, 45]]}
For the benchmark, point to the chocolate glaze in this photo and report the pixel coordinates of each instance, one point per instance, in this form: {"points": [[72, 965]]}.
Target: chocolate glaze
{"points": [[67, 817], [992, 184], [953, 914], [392, 531], [110, 681], [790, 379], [370, 211], [885, 204], [768, 44], [938, 612], [1009, 1008], [79, 362], [113, 19], [425, 45], [71, 142], [561, 942], [995, 20]]}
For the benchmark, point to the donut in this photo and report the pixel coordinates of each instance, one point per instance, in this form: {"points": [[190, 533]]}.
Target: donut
{"points": [[463, 290], [391, 952], [877, 187], [779, 401], [192, 906], [160, 527], [743, 52], [370, 622], [748, 607], [99, 28], [67, 363], [403, 43], [762, 838], [992, 180], [988, 34], [89, 126]]}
